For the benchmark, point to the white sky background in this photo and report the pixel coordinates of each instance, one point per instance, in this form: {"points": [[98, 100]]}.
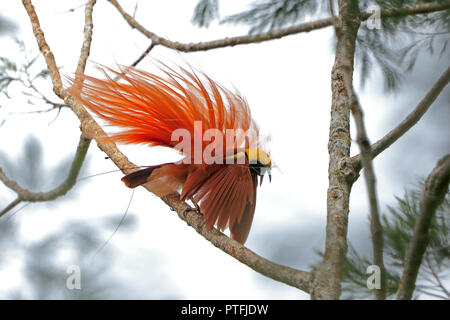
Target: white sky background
{"points": [[287, 84]]}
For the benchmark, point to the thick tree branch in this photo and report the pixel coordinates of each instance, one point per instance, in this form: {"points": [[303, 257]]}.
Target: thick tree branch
{"points": [[62, 189], [271, 35], [327, 277], [436, 186], [91, 130], [408, 122]]}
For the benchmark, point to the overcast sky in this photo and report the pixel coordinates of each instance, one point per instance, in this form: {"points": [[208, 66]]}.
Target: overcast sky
{"points": [[287, 85]]}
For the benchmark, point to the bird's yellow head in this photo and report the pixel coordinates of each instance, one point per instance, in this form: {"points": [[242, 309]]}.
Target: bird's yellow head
{"points": [[256, 155], [259, 163]]}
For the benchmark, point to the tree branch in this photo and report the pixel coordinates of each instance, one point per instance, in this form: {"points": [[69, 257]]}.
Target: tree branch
{"points": [[44, 48], [226, 42], [408, 122], [271, 35], [83, 145], [422, 8], [143, 55], [369, 176], [90, 129], [62, 189], [86, 47], [10, 206], [331, 8], [328, 275], [436, 186], [435, 275]]}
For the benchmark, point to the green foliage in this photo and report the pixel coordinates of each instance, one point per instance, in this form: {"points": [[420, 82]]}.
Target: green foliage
{"points": [[354, 283], [205, 12], [6, 68], [11, 71], [266, 15], [394, 48], [25, 73], [371, 50], [398, 227]]}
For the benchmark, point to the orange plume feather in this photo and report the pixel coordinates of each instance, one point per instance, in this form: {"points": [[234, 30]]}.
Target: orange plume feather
{"points": [[150, 108]]}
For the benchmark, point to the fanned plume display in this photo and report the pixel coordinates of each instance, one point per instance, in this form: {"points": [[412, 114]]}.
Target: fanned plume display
{"points": [[182, 107]]}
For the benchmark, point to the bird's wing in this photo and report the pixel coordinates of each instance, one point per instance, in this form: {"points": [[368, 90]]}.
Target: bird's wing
{"points": [[227, 196], [240, 230]]}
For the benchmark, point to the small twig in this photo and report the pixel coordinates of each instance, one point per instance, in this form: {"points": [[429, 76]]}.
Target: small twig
{"points": [[138, 60], [57, 106], [408, 122], [434, 295], [331, 7], [143, 55], [436, 276], [10, 206], [29, 83], [73, 9], [135, 9], [436, 186]]}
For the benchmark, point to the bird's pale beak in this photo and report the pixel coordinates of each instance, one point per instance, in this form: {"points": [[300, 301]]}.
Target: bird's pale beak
{"points": [[262, 176]]}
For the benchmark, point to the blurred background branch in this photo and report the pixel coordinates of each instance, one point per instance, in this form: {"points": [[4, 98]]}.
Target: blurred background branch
{"points": [[370, 179], [435, 189], [62, 189], [409, 121]]}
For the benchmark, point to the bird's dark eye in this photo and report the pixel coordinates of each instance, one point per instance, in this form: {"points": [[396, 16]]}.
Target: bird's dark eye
{"points": [[257, 168]]}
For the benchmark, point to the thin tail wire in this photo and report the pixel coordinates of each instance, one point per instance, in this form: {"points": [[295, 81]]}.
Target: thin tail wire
{"points": [[115, 230], [107, 172]]}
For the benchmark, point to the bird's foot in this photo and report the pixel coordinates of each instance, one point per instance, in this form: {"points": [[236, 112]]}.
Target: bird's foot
{"points": [[187, 209]]}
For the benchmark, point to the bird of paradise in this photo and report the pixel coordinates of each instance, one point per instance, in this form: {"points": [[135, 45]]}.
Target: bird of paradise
{"points": [[221, 160]]}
